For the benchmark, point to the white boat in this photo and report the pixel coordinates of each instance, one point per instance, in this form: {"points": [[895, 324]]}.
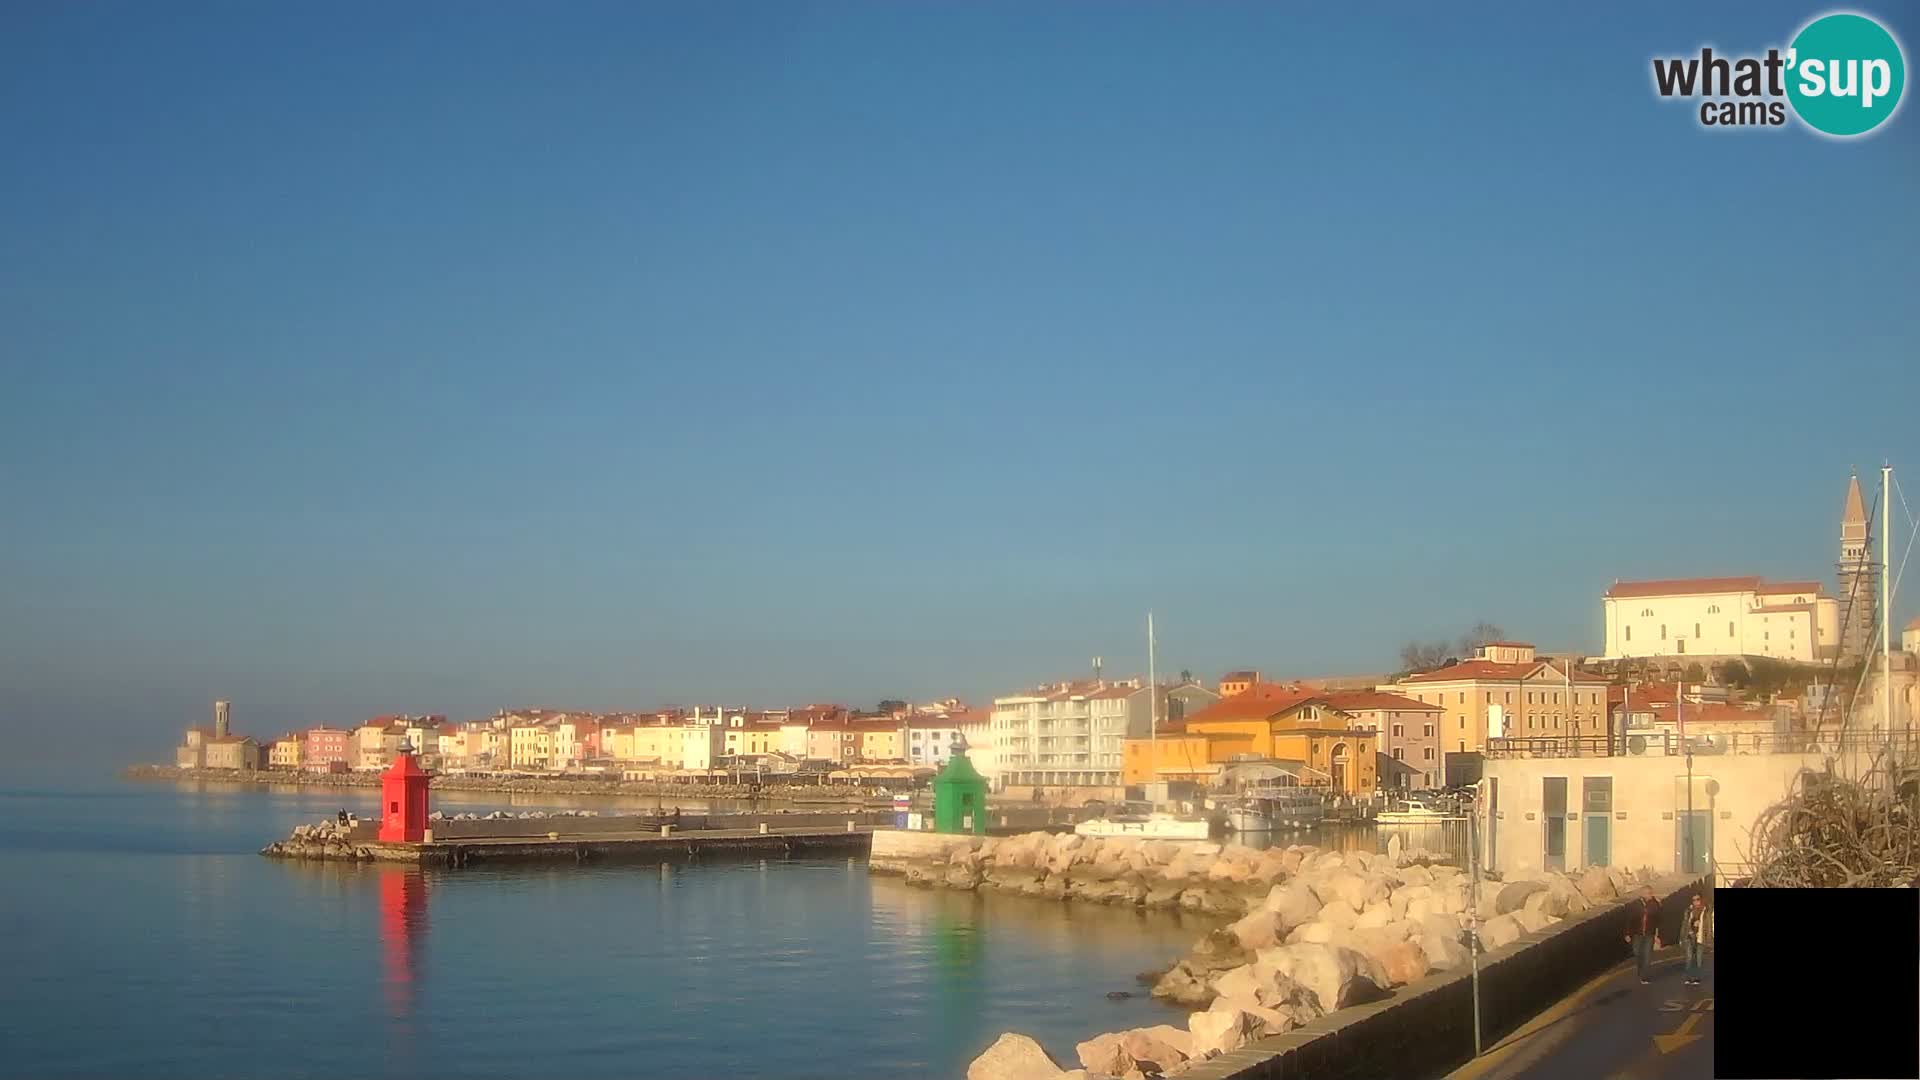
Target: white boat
{"points": [[1277, 809], [1146, 822], [1415, 812]]}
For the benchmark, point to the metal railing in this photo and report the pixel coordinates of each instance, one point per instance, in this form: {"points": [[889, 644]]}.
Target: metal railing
{"points": [[1669, 744]]}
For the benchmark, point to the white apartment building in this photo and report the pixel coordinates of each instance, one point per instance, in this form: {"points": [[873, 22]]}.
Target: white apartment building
{"points": [[930, 739], [1728, 616], [1063, 735]]}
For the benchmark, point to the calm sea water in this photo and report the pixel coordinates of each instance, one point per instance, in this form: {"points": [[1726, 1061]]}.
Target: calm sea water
{"points": [[141, 934]]}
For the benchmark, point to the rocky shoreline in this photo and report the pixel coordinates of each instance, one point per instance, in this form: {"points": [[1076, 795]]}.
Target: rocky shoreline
{"points": [[1317, 931], [824, 795]]}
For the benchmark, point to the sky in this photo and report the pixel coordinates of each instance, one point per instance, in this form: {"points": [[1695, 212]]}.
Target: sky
{"points": [[362, 359]]}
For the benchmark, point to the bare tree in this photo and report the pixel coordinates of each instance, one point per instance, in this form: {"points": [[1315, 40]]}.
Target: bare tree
{"points": [[1418, 656], [1481, 633]]}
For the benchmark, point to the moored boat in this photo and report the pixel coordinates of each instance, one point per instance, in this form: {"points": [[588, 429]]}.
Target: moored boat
{"points": [[1415, 811], [1136, 819]]}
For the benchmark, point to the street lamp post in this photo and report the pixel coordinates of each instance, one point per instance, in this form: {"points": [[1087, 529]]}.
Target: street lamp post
{"points": [[1473, 908]]}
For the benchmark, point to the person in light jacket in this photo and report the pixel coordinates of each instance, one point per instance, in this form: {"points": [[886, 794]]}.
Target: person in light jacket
{"points": [[1696, 930]]}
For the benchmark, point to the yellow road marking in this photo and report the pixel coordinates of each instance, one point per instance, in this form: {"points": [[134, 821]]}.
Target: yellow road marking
{"points": [[1669, 1043]]}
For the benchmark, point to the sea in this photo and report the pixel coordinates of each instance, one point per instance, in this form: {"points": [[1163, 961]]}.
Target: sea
{"points": [[141, 934]]}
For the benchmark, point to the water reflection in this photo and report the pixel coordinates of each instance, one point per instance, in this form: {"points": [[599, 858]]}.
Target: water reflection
{"points": [[403, 939]]}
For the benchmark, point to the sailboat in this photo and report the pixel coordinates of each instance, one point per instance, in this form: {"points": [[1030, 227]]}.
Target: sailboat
{"points": [[1147, 818]]}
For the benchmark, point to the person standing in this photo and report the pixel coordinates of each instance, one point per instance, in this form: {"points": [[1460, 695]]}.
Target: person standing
{"points": [[1696, 929], [1643, 931]]}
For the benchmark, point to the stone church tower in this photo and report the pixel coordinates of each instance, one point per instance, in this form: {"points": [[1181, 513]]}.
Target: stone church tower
{"points": [[1859, 574]]}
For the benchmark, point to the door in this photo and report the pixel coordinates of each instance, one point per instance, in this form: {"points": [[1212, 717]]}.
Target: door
{"points": [[1553, 805], [1693, 840], [1493, 823], [1596, 808], [1339, 769]]}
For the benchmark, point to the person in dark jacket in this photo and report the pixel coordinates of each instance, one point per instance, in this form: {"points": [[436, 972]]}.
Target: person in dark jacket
{"points": [[1696, 930], [1643, 930]]}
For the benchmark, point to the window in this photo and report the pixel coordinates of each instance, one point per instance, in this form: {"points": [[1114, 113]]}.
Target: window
{"points": [[1713, 609], [1556, 697], [1428, 754], [1729, 629], [1429, 732], [1398, 732], [1398, 755], [1646, 613], [1509, 697], [1629, 633], [1463, 697], [1696, 629], [1463, 746], [1663, 631]]}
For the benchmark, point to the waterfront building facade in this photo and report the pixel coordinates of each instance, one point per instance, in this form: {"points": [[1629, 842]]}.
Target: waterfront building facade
{"points": [[1294, 729], [1505, 690], [1407, 733], [237, 752], [327, 749], [287, 752], [1068, 734]]}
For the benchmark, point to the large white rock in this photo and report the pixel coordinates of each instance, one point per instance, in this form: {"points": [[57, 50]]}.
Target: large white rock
{"points": [[1597, 886], [1336, 976], [1014, 1057], [1377, 915], [1339, 914], [1317, 932], [1163, 1045], [1260, 929], [1513, 896], [1104, 1055], [1221, 1030], [1294, 902], [1444, 952], [1532, 919], [1501, 931]]}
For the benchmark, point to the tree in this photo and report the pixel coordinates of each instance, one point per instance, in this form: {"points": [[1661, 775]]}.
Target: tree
{"points": [[1481, 633], [1417, 656], [890, 706], [1186, 676], [1735, 673], [1694, 673]]}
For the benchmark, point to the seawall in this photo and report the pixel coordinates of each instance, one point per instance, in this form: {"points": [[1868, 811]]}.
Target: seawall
{"points": [[326, 842], [579, 788], [1426, 1028]]}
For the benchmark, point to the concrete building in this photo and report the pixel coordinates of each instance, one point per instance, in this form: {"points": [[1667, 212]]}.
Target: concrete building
{"points": [[529, 746], [1711, 618], [192, 751], [1657, 808], [976, 727], [1176, 702], [1067, 734], [1506, 691], [881, 740], [832, 740]]}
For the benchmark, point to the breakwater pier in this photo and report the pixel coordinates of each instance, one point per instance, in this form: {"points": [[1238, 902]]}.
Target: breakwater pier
{"points": [[461, 843]]}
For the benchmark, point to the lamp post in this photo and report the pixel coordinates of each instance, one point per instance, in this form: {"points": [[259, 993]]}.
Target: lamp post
{"points": [[1473, 907]]}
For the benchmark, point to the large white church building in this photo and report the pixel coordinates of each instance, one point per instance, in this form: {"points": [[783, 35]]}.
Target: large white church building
{"points": [[1749, 616]]}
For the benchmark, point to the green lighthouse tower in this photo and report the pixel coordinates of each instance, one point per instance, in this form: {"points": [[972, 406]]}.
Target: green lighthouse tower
{"points": [[959, 795]]}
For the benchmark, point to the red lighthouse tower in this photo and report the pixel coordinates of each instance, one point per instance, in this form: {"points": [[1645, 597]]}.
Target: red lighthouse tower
{"points": [[403, 799]]}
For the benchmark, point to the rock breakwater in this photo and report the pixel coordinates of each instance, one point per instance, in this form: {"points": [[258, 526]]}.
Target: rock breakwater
{"points": [[1314, 931], [326, 841], [794, 793]]}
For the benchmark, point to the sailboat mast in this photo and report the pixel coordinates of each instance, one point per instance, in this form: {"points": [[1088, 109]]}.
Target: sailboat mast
{"points": [[1153, 708], [1886, 597]]}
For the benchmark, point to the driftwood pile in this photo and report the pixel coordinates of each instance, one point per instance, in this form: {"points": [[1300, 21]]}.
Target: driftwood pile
{"points": [[1839, 831]]}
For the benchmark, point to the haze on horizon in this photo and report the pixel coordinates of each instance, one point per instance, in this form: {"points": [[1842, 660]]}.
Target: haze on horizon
{"points": [[438, 359]]}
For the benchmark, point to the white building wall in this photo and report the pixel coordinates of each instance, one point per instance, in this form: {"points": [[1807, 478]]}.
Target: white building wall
{"points": [[1717, 624]]}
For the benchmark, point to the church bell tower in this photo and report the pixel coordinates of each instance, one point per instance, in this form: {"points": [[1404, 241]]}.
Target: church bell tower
{"points": [[1859, 576]]}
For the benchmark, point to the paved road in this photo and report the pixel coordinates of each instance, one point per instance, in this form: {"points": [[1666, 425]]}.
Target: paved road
{"points": [[1616, 1029]]}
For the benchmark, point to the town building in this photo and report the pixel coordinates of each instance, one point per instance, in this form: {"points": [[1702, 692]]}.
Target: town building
{"points": [[1265, 731], [1711, 618], [1066, 734], [529, 746], [1238, 682], [287, 752], [1505, 690], [238, 752], [1407, 731], [976, 728], [328, 750], [930, 738], [881, 740], [192, 751]]}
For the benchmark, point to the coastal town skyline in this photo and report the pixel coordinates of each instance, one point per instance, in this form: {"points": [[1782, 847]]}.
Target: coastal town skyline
{"points": [[904, 355]]}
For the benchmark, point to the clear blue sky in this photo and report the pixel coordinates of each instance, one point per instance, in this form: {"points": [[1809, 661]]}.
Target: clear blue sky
{"points": [[432, 358]]}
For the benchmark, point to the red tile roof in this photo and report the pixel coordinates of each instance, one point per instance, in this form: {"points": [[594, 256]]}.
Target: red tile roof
{"points": [[1240, 676], [1683, 586], [1362, 700], [1257, 702], [1492, 671]]}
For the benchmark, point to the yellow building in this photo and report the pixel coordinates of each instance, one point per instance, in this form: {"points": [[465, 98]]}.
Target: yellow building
{"points": [[755, 739], [1263, 722], [288, 752], [882, 740], [530, 746]]}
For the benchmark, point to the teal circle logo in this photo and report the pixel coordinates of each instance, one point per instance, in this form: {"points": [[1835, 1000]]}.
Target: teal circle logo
{"points": [[1845, 73]]}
